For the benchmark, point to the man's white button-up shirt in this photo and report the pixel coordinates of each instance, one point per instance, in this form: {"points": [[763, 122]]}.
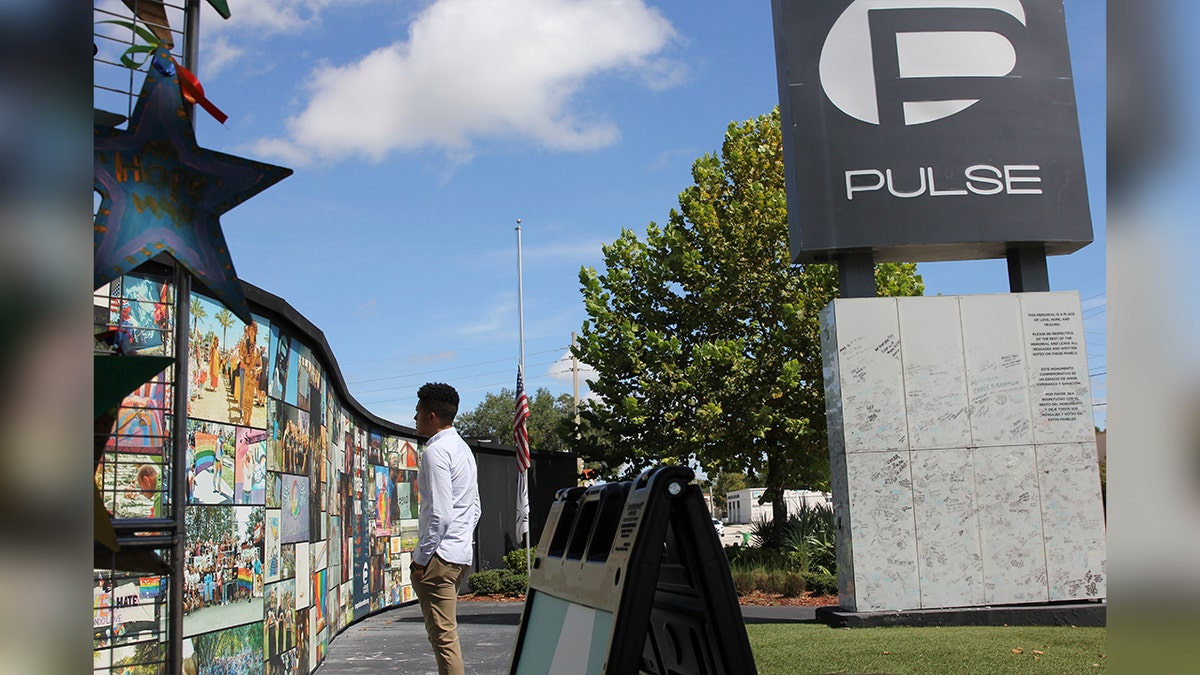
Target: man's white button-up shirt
{"points": [[448, 486]]}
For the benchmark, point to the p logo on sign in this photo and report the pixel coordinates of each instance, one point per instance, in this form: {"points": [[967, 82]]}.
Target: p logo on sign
{"points": [[928, 130], [909, 62]]}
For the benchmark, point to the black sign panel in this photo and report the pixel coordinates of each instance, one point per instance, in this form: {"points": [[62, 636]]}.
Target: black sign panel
{"points": [[929, 130]]}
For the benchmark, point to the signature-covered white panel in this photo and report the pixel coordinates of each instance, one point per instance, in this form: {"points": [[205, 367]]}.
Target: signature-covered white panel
{"points": [[948, 552], [883, 533], [997, 384], [1072, 520], [1010, 525], [869, 374], [935, 389]]}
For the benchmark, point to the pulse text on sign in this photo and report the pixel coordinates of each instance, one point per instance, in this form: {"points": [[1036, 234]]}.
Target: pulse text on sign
{"points": [[978, 179]]}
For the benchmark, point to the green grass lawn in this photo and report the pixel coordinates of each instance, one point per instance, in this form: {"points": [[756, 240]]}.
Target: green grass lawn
{"points": [[806, 649]]}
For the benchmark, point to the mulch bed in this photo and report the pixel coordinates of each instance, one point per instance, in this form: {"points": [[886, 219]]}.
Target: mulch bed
{"points": [[772, 600], [756, 599], [474, 597]]}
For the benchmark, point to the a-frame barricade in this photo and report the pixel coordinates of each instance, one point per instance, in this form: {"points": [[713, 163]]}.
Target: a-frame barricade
{"points": [[630, 577]]}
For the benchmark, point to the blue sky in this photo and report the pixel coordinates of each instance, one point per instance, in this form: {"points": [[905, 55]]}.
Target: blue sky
{"points": [[420, 131]]}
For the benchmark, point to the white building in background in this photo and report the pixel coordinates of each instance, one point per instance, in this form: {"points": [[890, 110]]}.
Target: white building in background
{"points": [[743, 506]]}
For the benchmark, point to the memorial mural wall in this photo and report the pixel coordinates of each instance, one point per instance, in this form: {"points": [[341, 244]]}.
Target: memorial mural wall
{"points": [[301, 508]]}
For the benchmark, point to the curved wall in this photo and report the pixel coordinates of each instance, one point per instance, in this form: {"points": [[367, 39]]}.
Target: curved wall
{"points": [[302, 505]]}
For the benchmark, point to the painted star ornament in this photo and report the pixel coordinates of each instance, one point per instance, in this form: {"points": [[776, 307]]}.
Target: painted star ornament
{"points": [[161, 192]]}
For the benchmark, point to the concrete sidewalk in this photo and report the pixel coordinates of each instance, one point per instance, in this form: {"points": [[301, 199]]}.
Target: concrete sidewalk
{"points": [[394, 643]]}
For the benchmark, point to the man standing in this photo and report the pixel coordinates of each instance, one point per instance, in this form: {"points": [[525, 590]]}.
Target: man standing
{"points": [[449, 510]]}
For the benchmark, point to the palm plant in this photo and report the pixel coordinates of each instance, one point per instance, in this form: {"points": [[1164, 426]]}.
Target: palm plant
{"points": [[225, 318], [811, 533], [198, 312]]}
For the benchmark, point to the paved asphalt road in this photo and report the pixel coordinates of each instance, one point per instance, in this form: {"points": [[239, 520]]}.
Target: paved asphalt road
{"points": [[394, 643]]}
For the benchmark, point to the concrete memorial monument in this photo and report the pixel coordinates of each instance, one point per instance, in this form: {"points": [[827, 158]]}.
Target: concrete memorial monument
{"points": [[963, 455]]}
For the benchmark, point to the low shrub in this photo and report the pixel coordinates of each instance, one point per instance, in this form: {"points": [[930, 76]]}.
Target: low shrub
{"points": [[514, 584], [793, 585], [762, 532], [805, 561], [486, 582], [743, 584], [810, 533], [777, 582], [760, 579], [743, 557], [498, 582], [819, 583], [775, 571], [515, 560]]}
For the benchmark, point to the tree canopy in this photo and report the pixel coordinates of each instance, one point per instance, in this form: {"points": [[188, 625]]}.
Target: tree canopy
{"points": [[705, 336], [493, 418], [726, 482]]}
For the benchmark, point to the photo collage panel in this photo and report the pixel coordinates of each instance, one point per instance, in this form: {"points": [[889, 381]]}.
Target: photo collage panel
{"points": [[301, 516]]}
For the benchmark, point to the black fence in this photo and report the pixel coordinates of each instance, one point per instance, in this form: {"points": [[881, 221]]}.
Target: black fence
{"points": [[496, 535]]}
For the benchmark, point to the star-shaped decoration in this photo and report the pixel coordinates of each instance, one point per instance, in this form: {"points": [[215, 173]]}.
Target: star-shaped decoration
{"points": [[160, 191], [115, 377]]}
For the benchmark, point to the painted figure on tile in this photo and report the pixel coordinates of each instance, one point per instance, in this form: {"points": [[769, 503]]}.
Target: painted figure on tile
{"points": [[214, 363], [251, 363]]}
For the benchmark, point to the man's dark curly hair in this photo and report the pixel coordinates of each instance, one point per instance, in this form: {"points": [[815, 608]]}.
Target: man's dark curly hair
{"points": [[440, 398]]}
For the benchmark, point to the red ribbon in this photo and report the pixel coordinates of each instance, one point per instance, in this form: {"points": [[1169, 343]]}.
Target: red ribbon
{"points": [[193, 91]]}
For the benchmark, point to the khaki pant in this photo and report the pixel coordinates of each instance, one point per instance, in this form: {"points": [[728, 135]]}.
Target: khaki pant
{"points": [[437, 592]]}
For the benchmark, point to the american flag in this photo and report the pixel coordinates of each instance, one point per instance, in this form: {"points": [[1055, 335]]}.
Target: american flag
{"points": [[521, 437], [520, 434]]}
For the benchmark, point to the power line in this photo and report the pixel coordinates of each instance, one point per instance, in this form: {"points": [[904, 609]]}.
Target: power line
{"points": [[443, 370], [465, 377], [1084, 280], [412, 397]]}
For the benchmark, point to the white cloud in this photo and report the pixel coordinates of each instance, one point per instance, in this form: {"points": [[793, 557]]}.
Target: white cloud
{"points": [[562, 370], [239, 39], [286, 153], [219, 52], [367, 310], [558, 251], [474, 70], [667, 158], [573, 253], [502, 315], [420, 359], [663, 74], [272, 16]]}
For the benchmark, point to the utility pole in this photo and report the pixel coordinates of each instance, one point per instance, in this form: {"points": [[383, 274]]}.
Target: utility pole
{"points": [[575, 381]]}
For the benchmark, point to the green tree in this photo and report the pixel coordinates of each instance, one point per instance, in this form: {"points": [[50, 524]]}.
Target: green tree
{"points": [[493, 418], [254, 521], [706, 337], [212, 523], [726, 482], [225, 318], [197, 311]]}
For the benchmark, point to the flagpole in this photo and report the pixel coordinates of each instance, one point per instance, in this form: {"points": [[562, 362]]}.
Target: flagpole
{"points": [[522, 475], [520, 301]]}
